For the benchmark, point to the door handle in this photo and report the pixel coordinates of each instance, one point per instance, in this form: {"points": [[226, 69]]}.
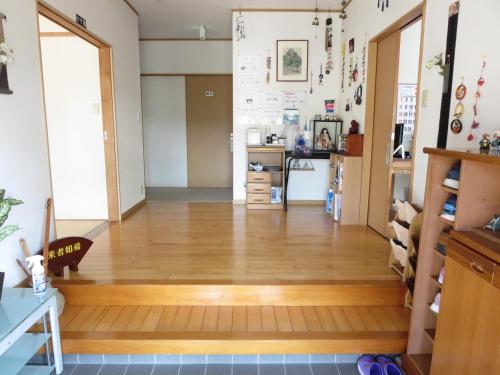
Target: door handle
{"points": [[477, 267]]}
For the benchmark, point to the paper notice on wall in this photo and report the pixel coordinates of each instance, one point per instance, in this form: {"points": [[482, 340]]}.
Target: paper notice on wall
{"points": [[249, 72], [248, 107], [271, 107], [294, 99]]}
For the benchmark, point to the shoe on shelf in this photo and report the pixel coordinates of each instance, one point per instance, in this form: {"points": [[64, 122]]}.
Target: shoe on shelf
{"points": [[436, 303], [389, 366], [410, 283], [440, 279], [367, 365], [452, 179]]}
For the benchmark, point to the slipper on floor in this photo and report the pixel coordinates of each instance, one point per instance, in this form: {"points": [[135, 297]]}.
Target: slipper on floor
{"points": [[367, 365], [389, 366]]}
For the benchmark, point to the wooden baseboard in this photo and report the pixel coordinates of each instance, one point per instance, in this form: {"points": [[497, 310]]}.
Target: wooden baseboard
{"points": [[299, 202], [132, 209]]}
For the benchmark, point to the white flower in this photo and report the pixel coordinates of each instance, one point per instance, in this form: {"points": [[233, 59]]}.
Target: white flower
{"points": [[6, 54]]}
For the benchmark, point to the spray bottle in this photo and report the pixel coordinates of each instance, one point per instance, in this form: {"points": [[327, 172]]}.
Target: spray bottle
{"points": [[38, 274]]}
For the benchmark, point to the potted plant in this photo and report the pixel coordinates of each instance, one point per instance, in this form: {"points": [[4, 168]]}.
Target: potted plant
{"points": [[6, 205]]}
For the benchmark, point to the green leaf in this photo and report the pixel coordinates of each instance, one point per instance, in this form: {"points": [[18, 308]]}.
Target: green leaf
{"points": [[7, 231], [13, 201]]}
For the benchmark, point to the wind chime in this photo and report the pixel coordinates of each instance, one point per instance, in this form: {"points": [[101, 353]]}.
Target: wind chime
{"points": [[343, 66], [329, 45], [6, 55], [477, 96], [268, 66], [240, 27], [363, 63], [315, 21], [382, 4]]}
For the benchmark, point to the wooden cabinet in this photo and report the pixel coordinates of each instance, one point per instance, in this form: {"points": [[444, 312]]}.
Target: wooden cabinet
{"points": [[265, 188], [468, 334], [345, 181]]}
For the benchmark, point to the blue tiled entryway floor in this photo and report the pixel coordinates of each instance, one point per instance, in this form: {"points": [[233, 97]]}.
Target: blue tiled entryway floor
{"points": [[236, 369]]}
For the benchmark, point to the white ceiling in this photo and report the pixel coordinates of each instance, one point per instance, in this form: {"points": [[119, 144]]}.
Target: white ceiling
{"points": [[180, 18]]}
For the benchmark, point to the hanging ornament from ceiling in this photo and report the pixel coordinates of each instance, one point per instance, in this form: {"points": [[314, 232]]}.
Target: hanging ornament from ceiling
{"points": [[477, 96], [268, 67], [344, 48], [321, 76], [315, 21], [343, 14], [240, 27], [329, 45], [382, 4], [460, 93], [363, 63]]}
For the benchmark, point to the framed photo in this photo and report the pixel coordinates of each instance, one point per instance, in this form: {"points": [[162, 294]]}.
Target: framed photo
{"points": [[292, 61]]}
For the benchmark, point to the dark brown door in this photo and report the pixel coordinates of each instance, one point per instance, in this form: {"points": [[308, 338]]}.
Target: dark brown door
{"points": [[383, 127], [209, 112]]}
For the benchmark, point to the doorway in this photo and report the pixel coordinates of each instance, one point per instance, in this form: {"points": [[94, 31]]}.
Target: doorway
{"points": [[187, 137], [391, 118], [80, 124]]}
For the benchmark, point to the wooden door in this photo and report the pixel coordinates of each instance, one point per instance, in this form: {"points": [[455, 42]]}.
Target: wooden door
{"points": [[209, 114], [464, 323], [386, 83]]}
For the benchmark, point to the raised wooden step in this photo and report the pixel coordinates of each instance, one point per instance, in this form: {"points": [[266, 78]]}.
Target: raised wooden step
{"points": [[203, 293], [233, 329]]}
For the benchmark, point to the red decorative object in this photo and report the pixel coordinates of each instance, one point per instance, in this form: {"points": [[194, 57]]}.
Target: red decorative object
{"points": [[477, 96]]}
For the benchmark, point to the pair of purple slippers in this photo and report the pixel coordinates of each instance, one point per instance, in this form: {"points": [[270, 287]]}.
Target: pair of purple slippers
{"points": [[381, 365]]}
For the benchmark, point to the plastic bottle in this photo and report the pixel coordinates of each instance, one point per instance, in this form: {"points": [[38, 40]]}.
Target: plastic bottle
{"points": [[38, 274]]}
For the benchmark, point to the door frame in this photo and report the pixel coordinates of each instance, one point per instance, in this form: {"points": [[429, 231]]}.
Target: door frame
{"points": [[107, 101], [416, 13]]}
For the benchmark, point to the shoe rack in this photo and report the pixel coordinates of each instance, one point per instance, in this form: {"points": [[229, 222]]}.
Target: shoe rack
{"points": [[478, 200]]}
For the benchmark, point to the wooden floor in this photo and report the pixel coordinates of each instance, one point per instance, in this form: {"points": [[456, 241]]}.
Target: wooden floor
{"points": [[222, 329], [221, 241], [214, 278]]}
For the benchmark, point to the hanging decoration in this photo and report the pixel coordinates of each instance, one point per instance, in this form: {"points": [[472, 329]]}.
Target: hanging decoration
{"points": [[268, 67], [477, 96], [6, 56], [343, 66], [382, 4], [348, 105], [343, 14], [358, 95], [456, 124], [329, 45], [315, 21], [363, 63], [321, 76], [350, 71], [355, 72], [240, 27], [311, 91]]}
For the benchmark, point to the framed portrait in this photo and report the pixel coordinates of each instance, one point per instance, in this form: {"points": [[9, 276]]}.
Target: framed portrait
{"points": [[292, 61]]}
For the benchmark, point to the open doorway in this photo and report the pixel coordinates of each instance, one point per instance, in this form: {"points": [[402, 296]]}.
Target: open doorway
{"points": [[391, 118], [187, 137], [80, 125]]}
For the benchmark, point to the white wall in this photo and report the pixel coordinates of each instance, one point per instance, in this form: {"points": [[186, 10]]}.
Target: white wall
{"points": [[23, 146], [165, 143], [181, 57], [75, 131], [409, 53], [117, 24], [263, 29], [25, 170], [477, 23]]}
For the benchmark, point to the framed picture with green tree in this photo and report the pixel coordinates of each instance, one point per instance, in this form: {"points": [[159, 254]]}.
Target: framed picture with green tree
{"points": [[292, 61]]}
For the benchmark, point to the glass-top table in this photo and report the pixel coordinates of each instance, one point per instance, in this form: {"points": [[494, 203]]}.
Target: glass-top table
{"points": [[20, 310], [16, 305]]}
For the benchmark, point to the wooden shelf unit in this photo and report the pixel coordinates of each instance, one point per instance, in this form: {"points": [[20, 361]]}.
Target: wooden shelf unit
{"points": [[345, 180], [260, 184], [475, 207]]}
